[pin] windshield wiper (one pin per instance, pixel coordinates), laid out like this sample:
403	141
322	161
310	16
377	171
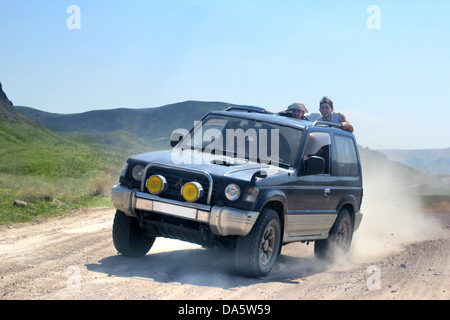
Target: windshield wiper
278	162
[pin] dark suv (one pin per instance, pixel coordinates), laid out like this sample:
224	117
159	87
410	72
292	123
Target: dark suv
250	181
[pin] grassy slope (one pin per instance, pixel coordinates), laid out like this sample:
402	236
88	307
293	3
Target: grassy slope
53	174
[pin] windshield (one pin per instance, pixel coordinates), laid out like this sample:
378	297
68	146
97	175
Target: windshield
249	139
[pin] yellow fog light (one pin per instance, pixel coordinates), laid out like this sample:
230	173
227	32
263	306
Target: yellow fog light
192	191
156	184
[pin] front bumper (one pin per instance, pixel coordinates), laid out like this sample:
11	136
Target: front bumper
223	221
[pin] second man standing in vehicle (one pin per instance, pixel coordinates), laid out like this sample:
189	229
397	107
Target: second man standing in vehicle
327	111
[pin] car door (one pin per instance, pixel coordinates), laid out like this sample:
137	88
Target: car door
311	217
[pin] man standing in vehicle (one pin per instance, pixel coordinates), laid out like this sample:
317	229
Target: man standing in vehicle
296	110
327	111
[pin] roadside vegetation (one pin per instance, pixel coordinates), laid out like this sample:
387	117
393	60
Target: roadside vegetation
42	187
436	203
43	174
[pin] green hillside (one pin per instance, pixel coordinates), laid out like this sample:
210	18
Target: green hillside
116	141
51	173
28	148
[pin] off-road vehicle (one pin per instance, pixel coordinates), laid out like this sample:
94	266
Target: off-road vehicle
250	181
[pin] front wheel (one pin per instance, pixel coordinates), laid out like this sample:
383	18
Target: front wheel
257	252
339	238
129	238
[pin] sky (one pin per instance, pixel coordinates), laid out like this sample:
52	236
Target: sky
385	64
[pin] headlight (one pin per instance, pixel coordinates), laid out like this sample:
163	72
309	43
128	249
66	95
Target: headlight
232	192
192	191
138	172
156	184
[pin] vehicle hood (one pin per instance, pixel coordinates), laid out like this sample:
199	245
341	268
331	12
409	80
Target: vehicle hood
232	167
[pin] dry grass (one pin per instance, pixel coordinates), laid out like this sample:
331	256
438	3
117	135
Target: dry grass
436	203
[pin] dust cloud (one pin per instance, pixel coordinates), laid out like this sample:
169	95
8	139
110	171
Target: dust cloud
393	215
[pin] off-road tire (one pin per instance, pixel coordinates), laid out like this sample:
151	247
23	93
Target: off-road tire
129	238
257	252
339	238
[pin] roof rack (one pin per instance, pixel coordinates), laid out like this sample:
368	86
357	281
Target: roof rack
326	124
247	109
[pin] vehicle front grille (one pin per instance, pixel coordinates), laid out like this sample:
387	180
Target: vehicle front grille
176	178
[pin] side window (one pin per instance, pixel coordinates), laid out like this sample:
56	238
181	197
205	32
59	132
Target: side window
346	156
318	144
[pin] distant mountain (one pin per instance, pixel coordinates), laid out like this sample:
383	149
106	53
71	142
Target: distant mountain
374	161
27	148
150	127
439	167
379	172
429	161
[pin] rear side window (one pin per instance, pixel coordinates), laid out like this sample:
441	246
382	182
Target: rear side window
346	156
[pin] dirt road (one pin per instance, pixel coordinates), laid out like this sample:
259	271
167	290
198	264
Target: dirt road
72	257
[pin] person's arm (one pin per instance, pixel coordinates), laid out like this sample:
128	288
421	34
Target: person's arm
285	113
345	124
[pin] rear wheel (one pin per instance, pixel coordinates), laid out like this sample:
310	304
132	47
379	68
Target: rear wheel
129	238
339	238
257	252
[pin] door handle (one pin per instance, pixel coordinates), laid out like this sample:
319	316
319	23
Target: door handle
326	191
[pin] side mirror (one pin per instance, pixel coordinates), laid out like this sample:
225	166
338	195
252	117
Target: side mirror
177	136
315	165
259	174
